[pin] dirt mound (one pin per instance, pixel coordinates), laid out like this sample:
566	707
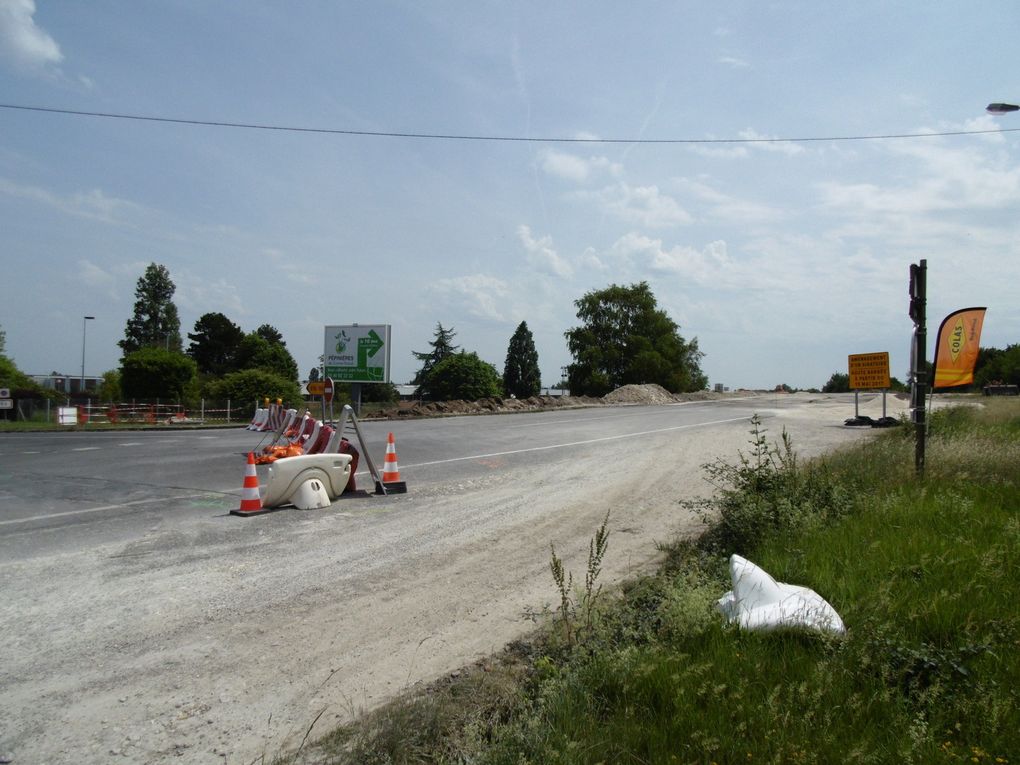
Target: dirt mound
487	406
649	394
640	394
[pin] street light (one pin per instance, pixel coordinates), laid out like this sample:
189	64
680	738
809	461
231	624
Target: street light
1001	108
83	325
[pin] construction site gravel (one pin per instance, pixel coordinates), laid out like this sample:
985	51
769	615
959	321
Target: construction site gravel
193	646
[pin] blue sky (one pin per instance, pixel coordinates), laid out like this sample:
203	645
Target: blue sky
781	258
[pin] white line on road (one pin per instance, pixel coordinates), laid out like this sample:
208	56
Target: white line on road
628	414
582	443
106	507
85	449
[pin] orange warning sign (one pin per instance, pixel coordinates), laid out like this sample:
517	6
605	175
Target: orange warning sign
869	371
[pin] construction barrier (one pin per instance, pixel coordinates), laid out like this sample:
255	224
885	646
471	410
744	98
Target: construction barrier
312	463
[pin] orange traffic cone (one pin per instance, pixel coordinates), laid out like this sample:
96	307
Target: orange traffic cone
251	500
391	472
391	483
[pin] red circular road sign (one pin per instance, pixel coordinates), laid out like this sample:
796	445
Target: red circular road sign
327	391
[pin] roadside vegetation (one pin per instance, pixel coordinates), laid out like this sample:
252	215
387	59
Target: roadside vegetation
922	571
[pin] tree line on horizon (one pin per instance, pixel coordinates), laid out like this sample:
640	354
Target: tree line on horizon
623	338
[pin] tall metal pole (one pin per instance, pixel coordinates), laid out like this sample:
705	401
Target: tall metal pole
83	325
919	366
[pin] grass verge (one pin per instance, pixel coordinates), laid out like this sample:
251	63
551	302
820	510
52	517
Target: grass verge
923	572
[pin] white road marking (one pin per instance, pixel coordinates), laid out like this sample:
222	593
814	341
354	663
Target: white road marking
107	507
131	443
86	449
628	414
580	443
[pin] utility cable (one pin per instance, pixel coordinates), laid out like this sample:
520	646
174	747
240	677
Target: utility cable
504	138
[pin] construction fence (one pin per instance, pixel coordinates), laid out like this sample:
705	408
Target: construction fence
86	411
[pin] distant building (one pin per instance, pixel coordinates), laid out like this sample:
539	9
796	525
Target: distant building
69	384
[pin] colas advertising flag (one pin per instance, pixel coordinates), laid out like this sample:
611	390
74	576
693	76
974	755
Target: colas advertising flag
956	347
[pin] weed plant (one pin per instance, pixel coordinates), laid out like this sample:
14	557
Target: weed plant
923	572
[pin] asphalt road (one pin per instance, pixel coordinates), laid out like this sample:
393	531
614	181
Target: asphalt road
141	621
62	491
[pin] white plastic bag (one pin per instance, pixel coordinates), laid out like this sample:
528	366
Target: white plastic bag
758	602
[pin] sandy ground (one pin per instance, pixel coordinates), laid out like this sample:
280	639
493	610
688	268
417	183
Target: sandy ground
190	647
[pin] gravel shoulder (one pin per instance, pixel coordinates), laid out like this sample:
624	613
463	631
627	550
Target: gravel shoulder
194	647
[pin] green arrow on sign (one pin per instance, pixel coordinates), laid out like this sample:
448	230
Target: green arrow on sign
368	347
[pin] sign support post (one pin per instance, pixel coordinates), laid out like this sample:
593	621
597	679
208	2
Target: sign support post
918	365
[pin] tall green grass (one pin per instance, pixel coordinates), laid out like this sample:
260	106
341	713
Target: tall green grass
924	573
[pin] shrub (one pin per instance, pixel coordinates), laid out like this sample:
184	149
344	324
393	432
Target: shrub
254	385
765	494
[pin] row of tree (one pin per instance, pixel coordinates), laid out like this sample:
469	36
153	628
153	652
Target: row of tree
222	361
624	337
446	374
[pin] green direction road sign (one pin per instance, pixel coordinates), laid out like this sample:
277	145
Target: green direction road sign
357	353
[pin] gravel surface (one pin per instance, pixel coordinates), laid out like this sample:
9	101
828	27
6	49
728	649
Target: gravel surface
190	646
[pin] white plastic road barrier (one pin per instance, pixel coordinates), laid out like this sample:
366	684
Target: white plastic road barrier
261	415
286	476
311	495
758	602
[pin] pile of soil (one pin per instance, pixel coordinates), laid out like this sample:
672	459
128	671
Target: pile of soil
487	406
640	394
628	394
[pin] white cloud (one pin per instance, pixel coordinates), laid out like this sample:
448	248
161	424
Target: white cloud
734	62
23	43
97	279
945	179
578	169
541	253
710	266
477	294
197	294
640	205
724	208
718	151
94	204
770	143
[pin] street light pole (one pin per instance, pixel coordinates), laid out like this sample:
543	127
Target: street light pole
83	325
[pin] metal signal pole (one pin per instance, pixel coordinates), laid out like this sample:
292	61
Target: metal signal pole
918	365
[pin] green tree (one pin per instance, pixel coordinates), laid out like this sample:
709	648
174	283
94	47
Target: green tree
625	338
150	373
442	348
521	376
214	344
385	393
271	334
256	352
998	365
253	385
464	376
155	323
13	378
838	383
110	388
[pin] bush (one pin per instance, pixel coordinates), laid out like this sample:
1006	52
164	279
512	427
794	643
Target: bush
151	373
463	376
254	385
765	494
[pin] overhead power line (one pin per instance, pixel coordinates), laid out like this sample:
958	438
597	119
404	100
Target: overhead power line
468	137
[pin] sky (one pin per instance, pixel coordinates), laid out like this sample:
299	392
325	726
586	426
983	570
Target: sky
780	257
